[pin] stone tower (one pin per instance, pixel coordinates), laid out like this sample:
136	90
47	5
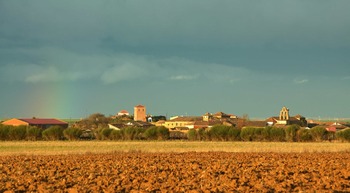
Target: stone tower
284	114
140	113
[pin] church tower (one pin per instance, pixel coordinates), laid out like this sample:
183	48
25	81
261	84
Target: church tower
140	113
284	114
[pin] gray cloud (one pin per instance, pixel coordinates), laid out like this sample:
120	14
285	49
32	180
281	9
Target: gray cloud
235	33
58	65
51	74
156	22
300	81
184	77
252	46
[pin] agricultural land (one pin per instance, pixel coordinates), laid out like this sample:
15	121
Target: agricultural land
173	166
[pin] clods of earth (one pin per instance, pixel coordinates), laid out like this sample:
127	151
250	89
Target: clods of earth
177	172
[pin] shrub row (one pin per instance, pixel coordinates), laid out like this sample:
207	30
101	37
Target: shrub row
263	134
31	133
216	133
11	133
292	133
133	133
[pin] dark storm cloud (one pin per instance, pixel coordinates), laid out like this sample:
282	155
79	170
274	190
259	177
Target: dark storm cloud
259	35
247	45
225	24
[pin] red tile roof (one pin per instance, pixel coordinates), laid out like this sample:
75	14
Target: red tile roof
331	129
186	119
255	123
272	119
221	114
299	116
44	121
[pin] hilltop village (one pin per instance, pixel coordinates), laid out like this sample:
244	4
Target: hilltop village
127	126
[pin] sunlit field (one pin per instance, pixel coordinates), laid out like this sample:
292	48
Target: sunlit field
175	166
82	147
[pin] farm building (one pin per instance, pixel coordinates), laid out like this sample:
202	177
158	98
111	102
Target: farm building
40	123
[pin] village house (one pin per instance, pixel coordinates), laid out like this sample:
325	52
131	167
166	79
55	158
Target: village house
138	124
37	122
181	122
336	126
123	113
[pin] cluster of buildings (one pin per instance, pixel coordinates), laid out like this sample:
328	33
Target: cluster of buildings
220	118
207	120
185	123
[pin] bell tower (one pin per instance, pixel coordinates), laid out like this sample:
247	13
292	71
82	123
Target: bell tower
284	114
140	113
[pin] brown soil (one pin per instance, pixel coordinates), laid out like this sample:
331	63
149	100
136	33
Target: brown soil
177	172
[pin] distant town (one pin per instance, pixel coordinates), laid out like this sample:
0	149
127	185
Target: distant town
182	124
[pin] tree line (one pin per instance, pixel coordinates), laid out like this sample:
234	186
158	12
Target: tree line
31	133
291	133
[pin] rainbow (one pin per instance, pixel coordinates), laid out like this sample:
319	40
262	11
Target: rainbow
48	101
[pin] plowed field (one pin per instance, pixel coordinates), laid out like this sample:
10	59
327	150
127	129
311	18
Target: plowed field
176	172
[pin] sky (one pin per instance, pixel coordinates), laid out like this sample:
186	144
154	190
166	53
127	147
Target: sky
73	58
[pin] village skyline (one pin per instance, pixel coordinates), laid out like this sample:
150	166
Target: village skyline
129	111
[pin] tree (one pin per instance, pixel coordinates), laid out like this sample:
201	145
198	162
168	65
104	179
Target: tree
234	134
4	131
102	133
34	133
318	132
94	121
203	134
132	133
157	133
304	135
53	133
343	135
72	134
192	135
274	134
291	132
247	133
223	133
17	132
116	135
